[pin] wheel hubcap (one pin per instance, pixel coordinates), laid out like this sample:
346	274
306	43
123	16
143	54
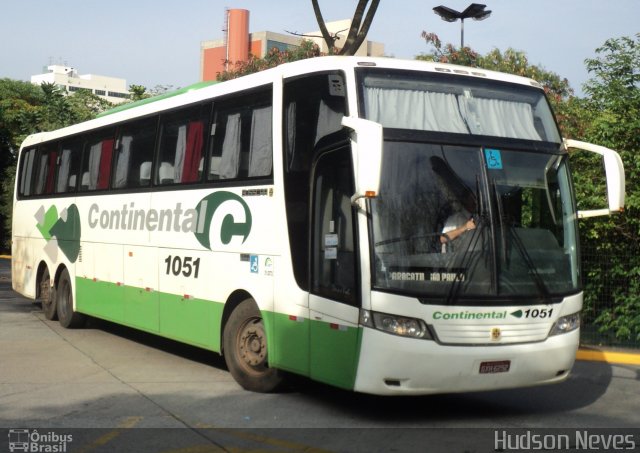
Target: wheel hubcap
252	344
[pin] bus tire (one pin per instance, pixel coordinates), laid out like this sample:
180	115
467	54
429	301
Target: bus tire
64	303
47	297
245	350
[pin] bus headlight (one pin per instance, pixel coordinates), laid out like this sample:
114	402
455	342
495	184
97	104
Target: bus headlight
394	324
565	324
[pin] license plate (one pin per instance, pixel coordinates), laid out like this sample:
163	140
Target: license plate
501	366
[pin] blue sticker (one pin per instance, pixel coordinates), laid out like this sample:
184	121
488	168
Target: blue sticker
254	264
493	158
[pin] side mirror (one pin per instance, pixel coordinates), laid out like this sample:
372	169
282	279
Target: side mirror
366	151
614	173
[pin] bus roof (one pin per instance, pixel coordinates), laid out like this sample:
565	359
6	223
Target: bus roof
204	90
131	105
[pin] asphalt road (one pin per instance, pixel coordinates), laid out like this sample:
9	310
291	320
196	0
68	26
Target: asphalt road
94	383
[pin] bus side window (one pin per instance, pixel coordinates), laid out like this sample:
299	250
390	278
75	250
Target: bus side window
134	148
260	146
97	161
334	251
228	148
45	166
313	109
182	142
68	166
242	144
26	175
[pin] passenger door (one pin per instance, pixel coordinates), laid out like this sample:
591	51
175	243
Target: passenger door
334	300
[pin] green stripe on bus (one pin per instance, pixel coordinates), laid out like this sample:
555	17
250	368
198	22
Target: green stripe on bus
335	351
326	352
289	349
182	318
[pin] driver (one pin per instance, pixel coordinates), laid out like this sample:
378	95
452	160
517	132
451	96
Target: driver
458	223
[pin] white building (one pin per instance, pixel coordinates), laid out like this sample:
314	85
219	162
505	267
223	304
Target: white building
67	78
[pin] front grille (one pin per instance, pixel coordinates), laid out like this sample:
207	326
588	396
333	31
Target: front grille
490	334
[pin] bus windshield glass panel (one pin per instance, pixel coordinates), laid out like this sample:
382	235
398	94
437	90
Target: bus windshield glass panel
465	216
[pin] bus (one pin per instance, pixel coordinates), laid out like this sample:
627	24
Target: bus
301	220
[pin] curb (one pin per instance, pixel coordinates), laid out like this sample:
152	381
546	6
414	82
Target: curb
611	357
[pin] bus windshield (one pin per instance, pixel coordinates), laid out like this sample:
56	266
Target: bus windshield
462	105
471	220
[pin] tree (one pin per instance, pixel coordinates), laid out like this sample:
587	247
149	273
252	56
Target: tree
613	120
26	109
275	57
20	109
511	61
138	92
357	32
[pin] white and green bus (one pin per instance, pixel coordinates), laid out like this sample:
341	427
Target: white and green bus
303	220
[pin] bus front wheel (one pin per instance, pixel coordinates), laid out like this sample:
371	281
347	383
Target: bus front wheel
64	304
245	350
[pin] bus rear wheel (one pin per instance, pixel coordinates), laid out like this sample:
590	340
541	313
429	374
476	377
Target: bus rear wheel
64	304
47	297
245	350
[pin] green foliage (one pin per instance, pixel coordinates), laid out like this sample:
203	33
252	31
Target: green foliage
19	109
275	57
138	92
611	117
510	61
26	109
448	53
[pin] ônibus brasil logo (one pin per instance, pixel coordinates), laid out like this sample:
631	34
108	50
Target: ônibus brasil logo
227	212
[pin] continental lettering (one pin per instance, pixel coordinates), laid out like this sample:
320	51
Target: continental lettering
446	316
129	218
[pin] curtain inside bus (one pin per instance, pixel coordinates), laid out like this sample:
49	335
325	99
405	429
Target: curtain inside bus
187	170
443	112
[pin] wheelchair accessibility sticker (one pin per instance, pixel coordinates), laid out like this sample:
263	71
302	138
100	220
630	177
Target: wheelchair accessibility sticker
254	264
493	157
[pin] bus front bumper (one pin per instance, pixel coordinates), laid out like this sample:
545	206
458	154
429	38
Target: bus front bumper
392	365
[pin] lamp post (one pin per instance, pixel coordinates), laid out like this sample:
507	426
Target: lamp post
474	11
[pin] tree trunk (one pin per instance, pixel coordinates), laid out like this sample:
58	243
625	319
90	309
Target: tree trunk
357	32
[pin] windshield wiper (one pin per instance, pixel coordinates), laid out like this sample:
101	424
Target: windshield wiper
501	218
542	288
466	261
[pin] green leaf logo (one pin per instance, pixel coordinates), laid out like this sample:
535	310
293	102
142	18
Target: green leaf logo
66	231
517	313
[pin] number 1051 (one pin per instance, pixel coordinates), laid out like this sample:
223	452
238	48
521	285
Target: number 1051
186	266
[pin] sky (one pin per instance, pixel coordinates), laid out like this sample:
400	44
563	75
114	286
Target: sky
150	43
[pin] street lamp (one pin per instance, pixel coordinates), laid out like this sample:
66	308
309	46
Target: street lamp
475	11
